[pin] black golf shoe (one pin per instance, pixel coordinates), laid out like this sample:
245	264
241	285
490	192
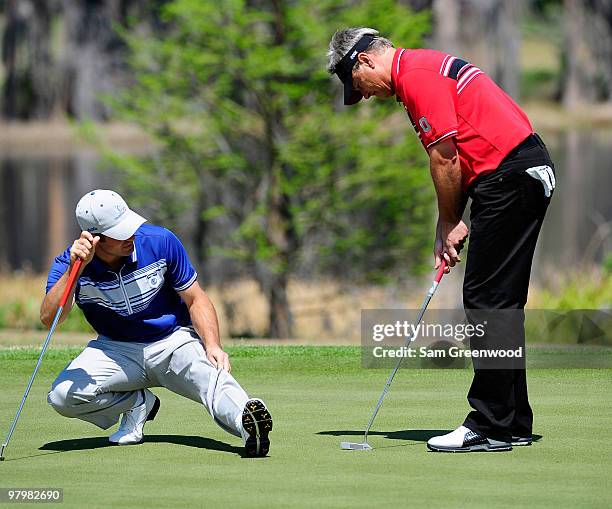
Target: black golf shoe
521	441
257	424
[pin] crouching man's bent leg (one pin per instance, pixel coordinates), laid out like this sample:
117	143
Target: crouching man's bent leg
187	371
98	386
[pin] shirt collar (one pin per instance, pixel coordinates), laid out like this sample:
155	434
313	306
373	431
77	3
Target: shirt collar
99	265
134	255
395	67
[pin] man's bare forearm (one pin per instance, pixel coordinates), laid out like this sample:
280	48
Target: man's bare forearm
447	181
204	320
50	303
84	248
446	175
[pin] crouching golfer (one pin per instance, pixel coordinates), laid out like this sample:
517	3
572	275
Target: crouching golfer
481	145
156	328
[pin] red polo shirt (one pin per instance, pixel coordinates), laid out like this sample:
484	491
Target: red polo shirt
445	97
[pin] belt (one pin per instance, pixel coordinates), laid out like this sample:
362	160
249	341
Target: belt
532	141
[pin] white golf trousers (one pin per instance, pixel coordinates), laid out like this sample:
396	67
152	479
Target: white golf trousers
103	381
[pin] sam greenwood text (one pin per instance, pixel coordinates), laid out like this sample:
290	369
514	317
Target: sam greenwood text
453	352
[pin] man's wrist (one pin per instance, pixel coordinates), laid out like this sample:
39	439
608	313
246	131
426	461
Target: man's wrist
454	220
209	347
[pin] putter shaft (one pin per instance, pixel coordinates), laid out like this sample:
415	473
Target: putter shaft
428	297
71	280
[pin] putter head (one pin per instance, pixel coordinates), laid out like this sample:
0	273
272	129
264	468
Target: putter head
353	446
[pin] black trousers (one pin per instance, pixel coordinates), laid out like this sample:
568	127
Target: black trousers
507	210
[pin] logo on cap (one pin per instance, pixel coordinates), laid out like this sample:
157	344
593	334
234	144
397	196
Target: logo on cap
119	210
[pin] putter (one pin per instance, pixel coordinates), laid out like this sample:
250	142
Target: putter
364	446
71	280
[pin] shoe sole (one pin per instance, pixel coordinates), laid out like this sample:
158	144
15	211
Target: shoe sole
472	448
150	417
521	444
257	423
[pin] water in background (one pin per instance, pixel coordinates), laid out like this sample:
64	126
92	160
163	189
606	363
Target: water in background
39	192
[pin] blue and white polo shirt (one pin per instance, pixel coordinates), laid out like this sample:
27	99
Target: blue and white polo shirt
139	302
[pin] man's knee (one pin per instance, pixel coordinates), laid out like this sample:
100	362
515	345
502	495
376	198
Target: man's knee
58	398
64	399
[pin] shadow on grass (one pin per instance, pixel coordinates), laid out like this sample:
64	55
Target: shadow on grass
413	435
80	444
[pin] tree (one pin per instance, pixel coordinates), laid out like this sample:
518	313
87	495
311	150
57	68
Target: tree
59	55
486	31
250	129
28	90
587	52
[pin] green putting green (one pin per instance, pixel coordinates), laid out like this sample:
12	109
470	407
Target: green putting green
318	396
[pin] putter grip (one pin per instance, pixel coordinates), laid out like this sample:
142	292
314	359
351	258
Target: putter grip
71	280
440	271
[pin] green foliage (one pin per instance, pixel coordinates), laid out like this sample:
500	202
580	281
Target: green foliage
237	96
539	84
20	314
607	265
23	314
577	290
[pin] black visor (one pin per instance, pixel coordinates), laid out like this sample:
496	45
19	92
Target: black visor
344	69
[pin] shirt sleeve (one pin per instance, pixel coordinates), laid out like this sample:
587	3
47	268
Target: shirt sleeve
58	269
181	273
430	100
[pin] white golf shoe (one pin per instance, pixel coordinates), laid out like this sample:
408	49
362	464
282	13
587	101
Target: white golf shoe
465	440
133	421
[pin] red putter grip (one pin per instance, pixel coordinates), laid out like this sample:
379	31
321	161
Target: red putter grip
440	271
71	280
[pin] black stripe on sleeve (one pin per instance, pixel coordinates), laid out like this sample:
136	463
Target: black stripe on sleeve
457	65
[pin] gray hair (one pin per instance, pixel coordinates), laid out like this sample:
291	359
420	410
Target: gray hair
343	40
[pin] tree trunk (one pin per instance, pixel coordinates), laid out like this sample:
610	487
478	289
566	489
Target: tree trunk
485	32
446	19
201	230
91	59
56	228
599	30
29	88
5	219
281	320
581	67
43	77
278	221
509	45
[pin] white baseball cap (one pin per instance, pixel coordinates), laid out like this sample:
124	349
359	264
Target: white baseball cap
105	212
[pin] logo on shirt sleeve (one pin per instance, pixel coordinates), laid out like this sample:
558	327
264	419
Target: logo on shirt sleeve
424	124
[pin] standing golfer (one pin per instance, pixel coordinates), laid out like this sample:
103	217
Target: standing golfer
156	328
481	145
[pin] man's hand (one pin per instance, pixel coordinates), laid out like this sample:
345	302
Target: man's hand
84	247
218	358
450	238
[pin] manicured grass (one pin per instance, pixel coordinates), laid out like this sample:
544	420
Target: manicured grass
318	396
